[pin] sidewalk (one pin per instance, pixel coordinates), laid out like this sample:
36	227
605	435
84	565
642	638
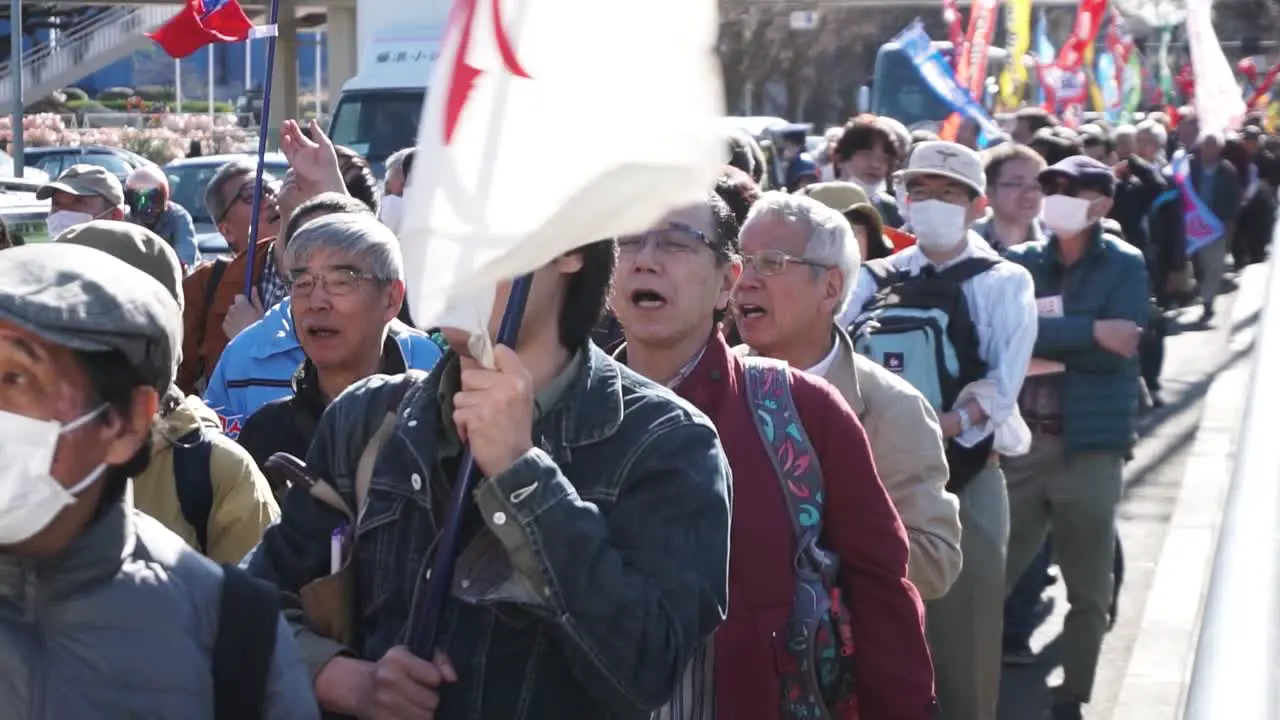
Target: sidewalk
1159	666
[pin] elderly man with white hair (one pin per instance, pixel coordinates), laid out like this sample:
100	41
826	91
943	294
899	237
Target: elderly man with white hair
1218	185
792	317
347	285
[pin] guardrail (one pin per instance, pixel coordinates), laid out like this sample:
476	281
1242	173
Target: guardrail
1237	660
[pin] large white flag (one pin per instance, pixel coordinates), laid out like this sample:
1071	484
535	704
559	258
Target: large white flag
551	124
1218	101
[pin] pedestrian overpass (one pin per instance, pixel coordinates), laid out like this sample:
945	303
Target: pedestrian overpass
120	31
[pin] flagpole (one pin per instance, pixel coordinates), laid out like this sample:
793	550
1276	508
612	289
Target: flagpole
177	84
248	64
424	626
262	148
212	47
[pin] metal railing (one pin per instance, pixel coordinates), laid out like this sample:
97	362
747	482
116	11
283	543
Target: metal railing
113	35
1237	661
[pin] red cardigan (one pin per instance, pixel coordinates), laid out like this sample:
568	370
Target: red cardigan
860	524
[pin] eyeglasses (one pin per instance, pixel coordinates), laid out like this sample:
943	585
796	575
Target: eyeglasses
1021	188
951	194
335	282
674	239
773	262
144	201
245	195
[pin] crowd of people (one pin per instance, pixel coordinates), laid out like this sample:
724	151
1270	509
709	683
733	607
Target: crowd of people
805	448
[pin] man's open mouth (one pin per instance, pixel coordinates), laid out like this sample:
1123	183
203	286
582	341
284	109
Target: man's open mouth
648	299
749	311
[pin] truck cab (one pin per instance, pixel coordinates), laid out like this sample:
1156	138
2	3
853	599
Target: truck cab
379	109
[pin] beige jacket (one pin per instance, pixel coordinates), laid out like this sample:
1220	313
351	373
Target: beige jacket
906	442
243	506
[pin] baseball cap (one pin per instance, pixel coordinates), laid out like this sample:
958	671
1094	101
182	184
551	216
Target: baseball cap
1084	172
949	160
135	245
85	180
84	299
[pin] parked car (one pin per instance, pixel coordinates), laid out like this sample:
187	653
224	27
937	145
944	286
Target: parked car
53	160
188	178
23	214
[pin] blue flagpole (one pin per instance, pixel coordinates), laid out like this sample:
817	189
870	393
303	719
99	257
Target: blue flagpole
262	149
424	622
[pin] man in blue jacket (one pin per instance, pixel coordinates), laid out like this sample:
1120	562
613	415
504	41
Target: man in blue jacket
1091	294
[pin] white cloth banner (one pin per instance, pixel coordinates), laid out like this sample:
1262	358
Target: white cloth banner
551	124
1218	100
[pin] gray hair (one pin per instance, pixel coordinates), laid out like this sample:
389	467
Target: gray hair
1155	130
356	235
215	199
396	161
1124	131
831	239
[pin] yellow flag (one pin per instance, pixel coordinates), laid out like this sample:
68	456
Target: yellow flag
1090	74
1013	80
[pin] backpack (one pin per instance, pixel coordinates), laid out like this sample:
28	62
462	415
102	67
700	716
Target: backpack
194	483
920	328
244	645
816	673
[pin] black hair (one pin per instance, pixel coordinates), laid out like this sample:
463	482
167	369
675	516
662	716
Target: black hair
725	242
1036	118
357	176
1056	144
587	293
327	203
112	382
739	190
7	240
997	157
406	165
865	132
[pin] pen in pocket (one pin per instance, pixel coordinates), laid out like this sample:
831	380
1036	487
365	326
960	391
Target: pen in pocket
336	541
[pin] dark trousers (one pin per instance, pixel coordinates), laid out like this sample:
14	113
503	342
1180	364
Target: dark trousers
1020	619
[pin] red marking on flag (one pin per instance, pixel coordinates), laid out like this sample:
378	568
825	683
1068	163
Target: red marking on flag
463	78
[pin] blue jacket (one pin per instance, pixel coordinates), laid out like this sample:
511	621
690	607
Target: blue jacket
1108	282
258	364
175	227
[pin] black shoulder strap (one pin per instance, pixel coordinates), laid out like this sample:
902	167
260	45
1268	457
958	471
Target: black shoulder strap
967	269
194	483
881	271
245	643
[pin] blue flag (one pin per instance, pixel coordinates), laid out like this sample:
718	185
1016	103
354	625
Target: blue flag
940	78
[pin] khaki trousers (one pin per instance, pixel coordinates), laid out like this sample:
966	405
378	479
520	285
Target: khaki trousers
1075	497
965	627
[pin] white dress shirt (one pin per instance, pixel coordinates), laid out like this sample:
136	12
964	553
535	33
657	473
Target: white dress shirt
1002	304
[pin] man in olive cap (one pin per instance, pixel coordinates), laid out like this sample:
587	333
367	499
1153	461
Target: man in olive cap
201	484
82	193
94	595
851	201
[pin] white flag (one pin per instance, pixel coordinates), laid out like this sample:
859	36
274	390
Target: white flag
583	120
1218	101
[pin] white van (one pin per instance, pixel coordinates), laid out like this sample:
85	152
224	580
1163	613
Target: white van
380	107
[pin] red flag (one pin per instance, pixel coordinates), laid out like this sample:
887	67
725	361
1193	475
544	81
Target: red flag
202	23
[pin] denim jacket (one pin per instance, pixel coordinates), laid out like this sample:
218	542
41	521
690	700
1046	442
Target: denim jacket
590	571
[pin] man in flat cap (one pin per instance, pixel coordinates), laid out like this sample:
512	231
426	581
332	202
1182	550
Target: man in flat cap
96	599
82	193
201	484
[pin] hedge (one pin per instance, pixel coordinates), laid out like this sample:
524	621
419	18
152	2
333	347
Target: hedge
191	106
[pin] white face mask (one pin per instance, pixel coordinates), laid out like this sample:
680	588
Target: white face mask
61	220
937	225
391	212
1066	215
30	497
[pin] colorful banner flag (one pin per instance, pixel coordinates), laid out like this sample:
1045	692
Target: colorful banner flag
1164	69
1108	89
1132	85
955	30
1218	101
1045	52
477	220
937	74
1013	81
1200	226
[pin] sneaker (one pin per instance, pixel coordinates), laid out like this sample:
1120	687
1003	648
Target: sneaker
1018	653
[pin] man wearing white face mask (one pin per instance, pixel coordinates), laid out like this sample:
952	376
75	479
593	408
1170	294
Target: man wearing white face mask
1091	291
94	594
82	193
952	296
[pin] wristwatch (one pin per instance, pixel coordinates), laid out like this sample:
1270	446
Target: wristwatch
966	423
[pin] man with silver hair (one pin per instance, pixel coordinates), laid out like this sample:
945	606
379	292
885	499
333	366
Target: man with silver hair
1217	184
347	285
1150	140
791	316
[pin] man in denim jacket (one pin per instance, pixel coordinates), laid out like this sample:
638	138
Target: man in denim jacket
594	560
